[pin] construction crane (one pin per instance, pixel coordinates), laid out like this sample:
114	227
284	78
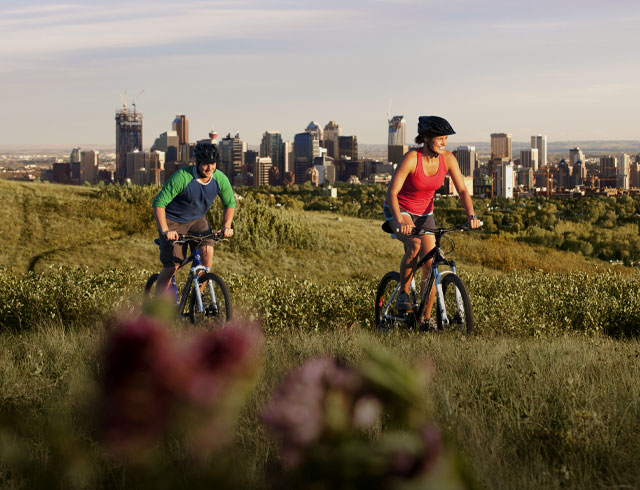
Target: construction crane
135	99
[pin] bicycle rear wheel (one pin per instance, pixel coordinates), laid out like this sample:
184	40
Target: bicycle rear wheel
457	304
216	302
387	316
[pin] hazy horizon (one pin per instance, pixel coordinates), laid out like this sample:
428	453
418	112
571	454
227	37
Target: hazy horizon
558	68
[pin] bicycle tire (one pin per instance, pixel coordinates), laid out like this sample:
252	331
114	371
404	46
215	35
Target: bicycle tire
458	307
213	315
386	287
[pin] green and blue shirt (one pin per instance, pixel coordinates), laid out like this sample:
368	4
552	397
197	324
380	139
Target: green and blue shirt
185	198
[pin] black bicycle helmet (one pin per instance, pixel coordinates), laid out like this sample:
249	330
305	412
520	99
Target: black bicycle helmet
434	126
205	152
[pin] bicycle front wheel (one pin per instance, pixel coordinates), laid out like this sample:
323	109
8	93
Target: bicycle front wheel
457	304
386	313
216	301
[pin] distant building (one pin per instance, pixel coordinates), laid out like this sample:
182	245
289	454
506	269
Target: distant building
348	147
539	142
576	155
530	158
273	147
181	126
61	172
467	157
232	156
168	142
89	166
332	133
128	138
261	171
397	146
608	171
501	145
314	129
525	177
504	179
146	167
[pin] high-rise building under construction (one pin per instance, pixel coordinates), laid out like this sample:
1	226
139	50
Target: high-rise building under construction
397	147
128	138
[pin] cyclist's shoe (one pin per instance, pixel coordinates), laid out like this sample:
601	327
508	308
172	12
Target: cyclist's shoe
429	325
404	303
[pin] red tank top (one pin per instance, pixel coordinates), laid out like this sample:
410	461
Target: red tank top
416	195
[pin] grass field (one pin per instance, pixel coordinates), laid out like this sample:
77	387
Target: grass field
544	396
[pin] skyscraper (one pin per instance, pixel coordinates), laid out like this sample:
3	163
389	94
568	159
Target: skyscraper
530	158
576	155
89	166
273	147
332	133
231	155
540	143
467	159
348	147
396	145
261	171
314	129
501	145
128	138
181	126
305	149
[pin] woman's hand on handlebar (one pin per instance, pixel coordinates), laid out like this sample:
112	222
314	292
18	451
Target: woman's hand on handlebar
405	226
474	222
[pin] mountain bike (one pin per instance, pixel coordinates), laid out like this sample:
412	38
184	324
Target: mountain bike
453	306
205	297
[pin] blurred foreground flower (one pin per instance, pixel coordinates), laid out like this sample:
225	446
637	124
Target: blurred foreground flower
361	426
153	384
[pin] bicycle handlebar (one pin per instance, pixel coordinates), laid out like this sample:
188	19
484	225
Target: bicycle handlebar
215	236
436	231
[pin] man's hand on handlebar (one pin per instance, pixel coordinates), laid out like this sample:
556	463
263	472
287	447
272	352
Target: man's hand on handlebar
170	235
226	232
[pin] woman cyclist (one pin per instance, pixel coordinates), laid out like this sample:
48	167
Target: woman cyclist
409	201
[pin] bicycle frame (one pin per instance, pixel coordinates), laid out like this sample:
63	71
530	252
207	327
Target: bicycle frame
434	276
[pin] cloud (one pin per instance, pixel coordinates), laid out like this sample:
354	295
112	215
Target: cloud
59	29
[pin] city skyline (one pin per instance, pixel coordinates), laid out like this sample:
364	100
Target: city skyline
250	67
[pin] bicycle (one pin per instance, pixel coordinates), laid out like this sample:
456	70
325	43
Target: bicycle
453	306
205	296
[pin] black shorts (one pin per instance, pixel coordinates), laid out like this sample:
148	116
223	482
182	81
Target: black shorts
172	253
421	222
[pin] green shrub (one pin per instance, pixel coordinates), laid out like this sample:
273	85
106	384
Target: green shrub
69	296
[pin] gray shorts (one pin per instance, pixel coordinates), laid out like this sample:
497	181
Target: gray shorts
172	253
421	222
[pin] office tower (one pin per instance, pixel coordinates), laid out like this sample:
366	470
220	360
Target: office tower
128	138
467	159
75	156
305	149
576	155
530	158
397	137
181	126
273	147
608	166
145	167
505	179
539	142
331	140
348	147
261	171
501	145
634	175
314	129
565	174
168	142
232	155
289	157
89	166
579	173
61	172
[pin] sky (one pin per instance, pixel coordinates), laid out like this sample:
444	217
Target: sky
567	69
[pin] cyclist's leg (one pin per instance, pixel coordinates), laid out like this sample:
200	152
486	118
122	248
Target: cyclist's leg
201	227
409	259
171	256
428	242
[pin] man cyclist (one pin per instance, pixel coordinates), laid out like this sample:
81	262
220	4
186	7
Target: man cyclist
181	208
